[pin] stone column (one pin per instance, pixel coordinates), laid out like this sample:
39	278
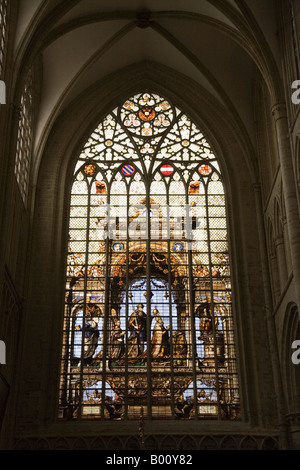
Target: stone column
289	189
281	258
273	345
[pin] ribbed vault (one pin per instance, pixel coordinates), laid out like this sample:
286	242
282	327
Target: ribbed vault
81	42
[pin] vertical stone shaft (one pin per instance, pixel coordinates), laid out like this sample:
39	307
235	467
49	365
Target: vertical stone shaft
289	190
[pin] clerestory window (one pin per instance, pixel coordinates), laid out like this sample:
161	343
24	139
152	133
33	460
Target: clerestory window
25	138
3	34
148	324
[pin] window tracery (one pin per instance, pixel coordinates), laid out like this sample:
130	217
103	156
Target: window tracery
24	138
148	314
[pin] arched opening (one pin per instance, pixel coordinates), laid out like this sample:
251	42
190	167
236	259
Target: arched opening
148	325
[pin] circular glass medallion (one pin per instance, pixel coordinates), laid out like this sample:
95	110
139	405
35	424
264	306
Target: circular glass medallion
128	170
146	114
178	247
166	170
118	247
205	170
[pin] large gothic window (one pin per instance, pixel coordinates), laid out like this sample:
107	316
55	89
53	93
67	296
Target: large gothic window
148	321
25	138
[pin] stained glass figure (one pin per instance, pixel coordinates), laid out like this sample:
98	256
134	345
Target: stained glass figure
148	313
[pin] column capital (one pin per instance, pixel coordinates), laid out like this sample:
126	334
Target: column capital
279	110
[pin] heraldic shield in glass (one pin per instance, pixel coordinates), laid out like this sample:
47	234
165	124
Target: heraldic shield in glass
148	323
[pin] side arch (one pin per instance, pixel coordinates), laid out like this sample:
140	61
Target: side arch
50	211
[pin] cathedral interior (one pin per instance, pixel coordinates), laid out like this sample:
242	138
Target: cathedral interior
150	225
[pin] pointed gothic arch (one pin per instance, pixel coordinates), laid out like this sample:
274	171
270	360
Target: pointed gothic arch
148	317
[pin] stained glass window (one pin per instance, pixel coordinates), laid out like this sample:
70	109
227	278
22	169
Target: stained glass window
3	33
148	323
24	138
